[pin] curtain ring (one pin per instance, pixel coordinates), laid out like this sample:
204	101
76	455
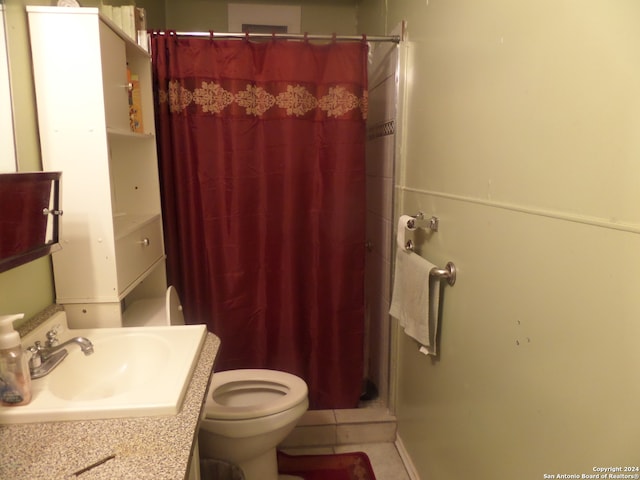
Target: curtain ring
364	38
246	36
211	36
306	37
334	37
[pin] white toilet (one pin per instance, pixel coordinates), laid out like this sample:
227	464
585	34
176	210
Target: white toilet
247	414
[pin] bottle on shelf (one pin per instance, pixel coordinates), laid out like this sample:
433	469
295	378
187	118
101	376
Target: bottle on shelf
135	103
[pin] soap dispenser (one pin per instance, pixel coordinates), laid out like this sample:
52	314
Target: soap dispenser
15	379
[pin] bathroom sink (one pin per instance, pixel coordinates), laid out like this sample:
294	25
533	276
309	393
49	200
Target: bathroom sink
133	372
106	373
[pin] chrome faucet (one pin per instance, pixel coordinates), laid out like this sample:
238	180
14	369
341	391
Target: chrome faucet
45	358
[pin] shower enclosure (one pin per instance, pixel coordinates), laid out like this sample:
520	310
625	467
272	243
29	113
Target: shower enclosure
382	127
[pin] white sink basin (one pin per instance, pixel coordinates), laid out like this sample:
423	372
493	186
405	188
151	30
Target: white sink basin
133	372
105	373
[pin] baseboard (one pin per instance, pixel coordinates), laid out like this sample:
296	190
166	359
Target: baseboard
318	428
406	459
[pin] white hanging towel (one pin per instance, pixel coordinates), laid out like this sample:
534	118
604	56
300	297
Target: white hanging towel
410	303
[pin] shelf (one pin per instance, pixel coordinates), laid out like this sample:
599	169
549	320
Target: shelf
114	132
132	45
158	263
126	223
111	193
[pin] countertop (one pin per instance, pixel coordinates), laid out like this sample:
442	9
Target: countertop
157	448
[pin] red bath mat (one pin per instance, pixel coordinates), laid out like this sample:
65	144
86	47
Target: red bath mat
339	466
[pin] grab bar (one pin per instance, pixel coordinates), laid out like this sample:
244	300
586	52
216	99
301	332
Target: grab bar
448	273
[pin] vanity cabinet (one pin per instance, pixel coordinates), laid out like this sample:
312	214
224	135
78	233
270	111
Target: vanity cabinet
95	115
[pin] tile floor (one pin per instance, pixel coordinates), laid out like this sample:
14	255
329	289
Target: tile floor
371	430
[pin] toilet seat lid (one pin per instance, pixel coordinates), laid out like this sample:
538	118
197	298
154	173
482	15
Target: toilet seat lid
288	390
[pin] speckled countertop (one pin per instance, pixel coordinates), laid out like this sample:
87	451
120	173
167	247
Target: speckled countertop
157	448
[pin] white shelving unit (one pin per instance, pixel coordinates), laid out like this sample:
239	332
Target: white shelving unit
111	231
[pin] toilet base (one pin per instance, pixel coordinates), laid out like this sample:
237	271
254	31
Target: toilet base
262	467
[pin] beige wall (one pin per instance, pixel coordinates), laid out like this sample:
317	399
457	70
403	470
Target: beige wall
521	135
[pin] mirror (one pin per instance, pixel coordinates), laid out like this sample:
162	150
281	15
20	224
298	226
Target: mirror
29	217
7	139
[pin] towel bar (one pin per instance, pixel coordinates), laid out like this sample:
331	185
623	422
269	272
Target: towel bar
448	273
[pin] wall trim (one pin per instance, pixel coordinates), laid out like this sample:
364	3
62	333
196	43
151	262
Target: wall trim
569	217
406	459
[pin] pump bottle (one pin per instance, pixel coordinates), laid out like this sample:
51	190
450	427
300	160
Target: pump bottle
15	379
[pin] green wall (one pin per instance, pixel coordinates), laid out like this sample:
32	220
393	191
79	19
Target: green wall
323	17
27	289
520	133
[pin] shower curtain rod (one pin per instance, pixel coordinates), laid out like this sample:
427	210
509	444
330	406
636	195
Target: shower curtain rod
291	36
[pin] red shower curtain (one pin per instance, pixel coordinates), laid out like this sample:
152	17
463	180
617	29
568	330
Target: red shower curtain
261	148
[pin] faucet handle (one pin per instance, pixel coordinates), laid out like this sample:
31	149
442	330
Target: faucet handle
52	337
36	359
